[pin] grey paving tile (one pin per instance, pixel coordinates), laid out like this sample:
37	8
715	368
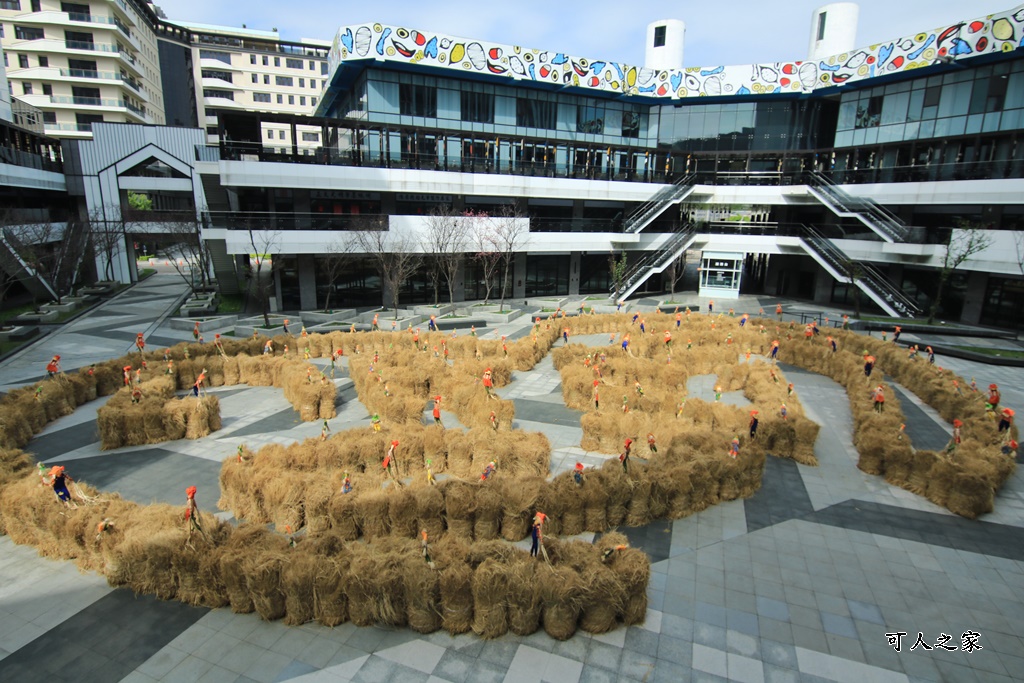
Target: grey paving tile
604	656
838	625
773	609
646	642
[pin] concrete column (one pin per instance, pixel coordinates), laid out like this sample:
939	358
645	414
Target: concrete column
822	285
306	264
974	297
519	278
574	273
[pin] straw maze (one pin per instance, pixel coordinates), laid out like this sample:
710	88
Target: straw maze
327	576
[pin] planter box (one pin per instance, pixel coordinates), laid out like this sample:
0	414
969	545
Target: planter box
439	310
245	326
206	324
405	319
460	323
320	317
197	310
39	317
245	331
549	302
20	333
58	308
324	328
74	300
499	318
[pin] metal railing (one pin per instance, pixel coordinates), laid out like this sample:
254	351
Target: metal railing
266	220
652	261
101	75
99	19
640	217
876	215
97	102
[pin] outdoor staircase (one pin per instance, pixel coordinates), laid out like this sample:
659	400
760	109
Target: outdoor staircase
14	265
655	261
865	276
643	215
873	215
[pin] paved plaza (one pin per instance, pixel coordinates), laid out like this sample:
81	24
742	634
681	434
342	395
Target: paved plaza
801	582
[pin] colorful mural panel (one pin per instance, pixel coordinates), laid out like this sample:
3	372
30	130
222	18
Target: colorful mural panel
994	33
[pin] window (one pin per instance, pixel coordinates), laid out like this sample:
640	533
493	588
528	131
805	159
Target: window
35	6
270	135
821	26
280	135
211	130
631	123
312	83
302	82
23	61
312	65
590	119
2	28
47	89
283	80
417	100
28	33
214	54
311	137
313	101
280	99
255	78
869	112
76	8
266	79
261	97
26	88
277	61
252	59
49	117
44	61
219	75
659	36
291	99
293	63
535	113
222	94
323	68
266	62
302	100
477	107
83	65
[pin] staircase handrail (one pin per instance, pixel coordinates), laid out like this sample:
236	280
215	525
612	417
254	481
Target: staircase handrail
654	259
888	221
641	214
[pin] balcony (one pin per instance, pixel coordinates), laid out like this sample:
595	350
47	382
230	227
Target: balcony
105	76
69	130
100	102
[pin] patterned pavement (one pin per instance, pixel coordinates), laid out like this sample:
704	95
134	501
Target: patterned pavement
801	582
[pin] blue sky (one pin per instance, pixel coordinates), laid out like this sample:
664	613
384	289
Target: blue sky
722	32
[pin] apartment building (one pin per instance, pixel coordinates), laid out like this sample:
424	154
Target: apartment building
242	69
83	62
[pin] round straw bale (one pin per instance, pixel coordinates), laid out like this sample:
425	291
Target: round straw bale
561	595
457	597
490	611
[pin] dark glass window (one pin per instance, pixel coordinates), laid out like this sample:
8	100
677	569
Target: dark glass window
44	61
590	119
631	123
23	61
283	80
535	113
49	117
547	275
659	36
417	100
821	26
869	112
28	33
215	54
293	63
477	107
219	75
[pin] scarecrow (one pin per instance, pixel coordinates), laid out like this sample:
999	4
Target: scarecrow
494	421
199	383
53	367
537	534
192	516
774	354
869	364
140	343
624	456
425	548
577	474
437	410
1006	420
931	354
375	421
346	484
778	311
954	442
268	348
668	340
753	424
488	383
734	448
432	324
783	411
896	334
324	430
878	396
59	481
651	445
195	331
488	470
993	396
285	325
390	463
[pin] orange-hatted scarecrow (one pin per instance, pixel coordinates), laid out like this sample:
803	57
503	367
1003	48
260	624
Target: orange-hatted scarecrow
390	463
537	535
53	367
753	423
192	519
437	410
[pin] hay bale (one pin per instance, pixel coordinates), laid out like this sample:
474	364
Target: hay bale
330	601
402	513
595	501
430	510
263	578
460	506
518	497
971	497
422	595
638	510
298	579
561	597
344	515
375	592
633	569
487	520
523	597
605	598
372	511
457	597
490	611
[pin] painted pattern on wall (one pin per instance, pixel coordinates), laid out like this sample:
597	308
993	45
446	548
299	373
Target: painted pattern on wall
994	33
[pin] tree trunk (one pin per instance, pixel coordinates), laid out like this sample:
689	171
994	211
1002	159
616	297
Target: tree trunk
504	285
933	311
856	299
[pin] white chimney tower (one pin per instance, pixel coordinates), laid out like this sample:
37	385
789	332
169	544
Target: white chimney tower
665	44
833	30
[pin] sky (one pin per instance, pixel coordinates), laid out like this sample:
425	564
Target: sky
722	32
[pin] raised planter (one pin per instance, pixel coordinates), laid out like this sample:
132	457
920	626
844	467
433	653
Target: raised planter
439	310
327	327
59	308
549	302
196	310
19	333
499	318
406	319
460	323
478	309
206	324
245	326
312	318
38	317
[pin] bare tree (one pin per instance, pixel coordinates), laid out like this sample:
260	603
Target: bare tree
265	244
196	263
966	240
338	255
445	242
674	273
510	233
487	254
108	237
54	251
617	269
395	256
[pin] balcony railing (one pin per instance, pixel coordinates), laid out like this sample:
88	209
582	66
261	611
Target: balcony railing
16	157
102	75
99	19
74	127
263	220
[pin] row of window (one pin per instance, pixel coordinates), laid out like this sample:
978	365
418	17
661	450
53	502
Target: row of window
282	135
289	62
478	107
266	99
